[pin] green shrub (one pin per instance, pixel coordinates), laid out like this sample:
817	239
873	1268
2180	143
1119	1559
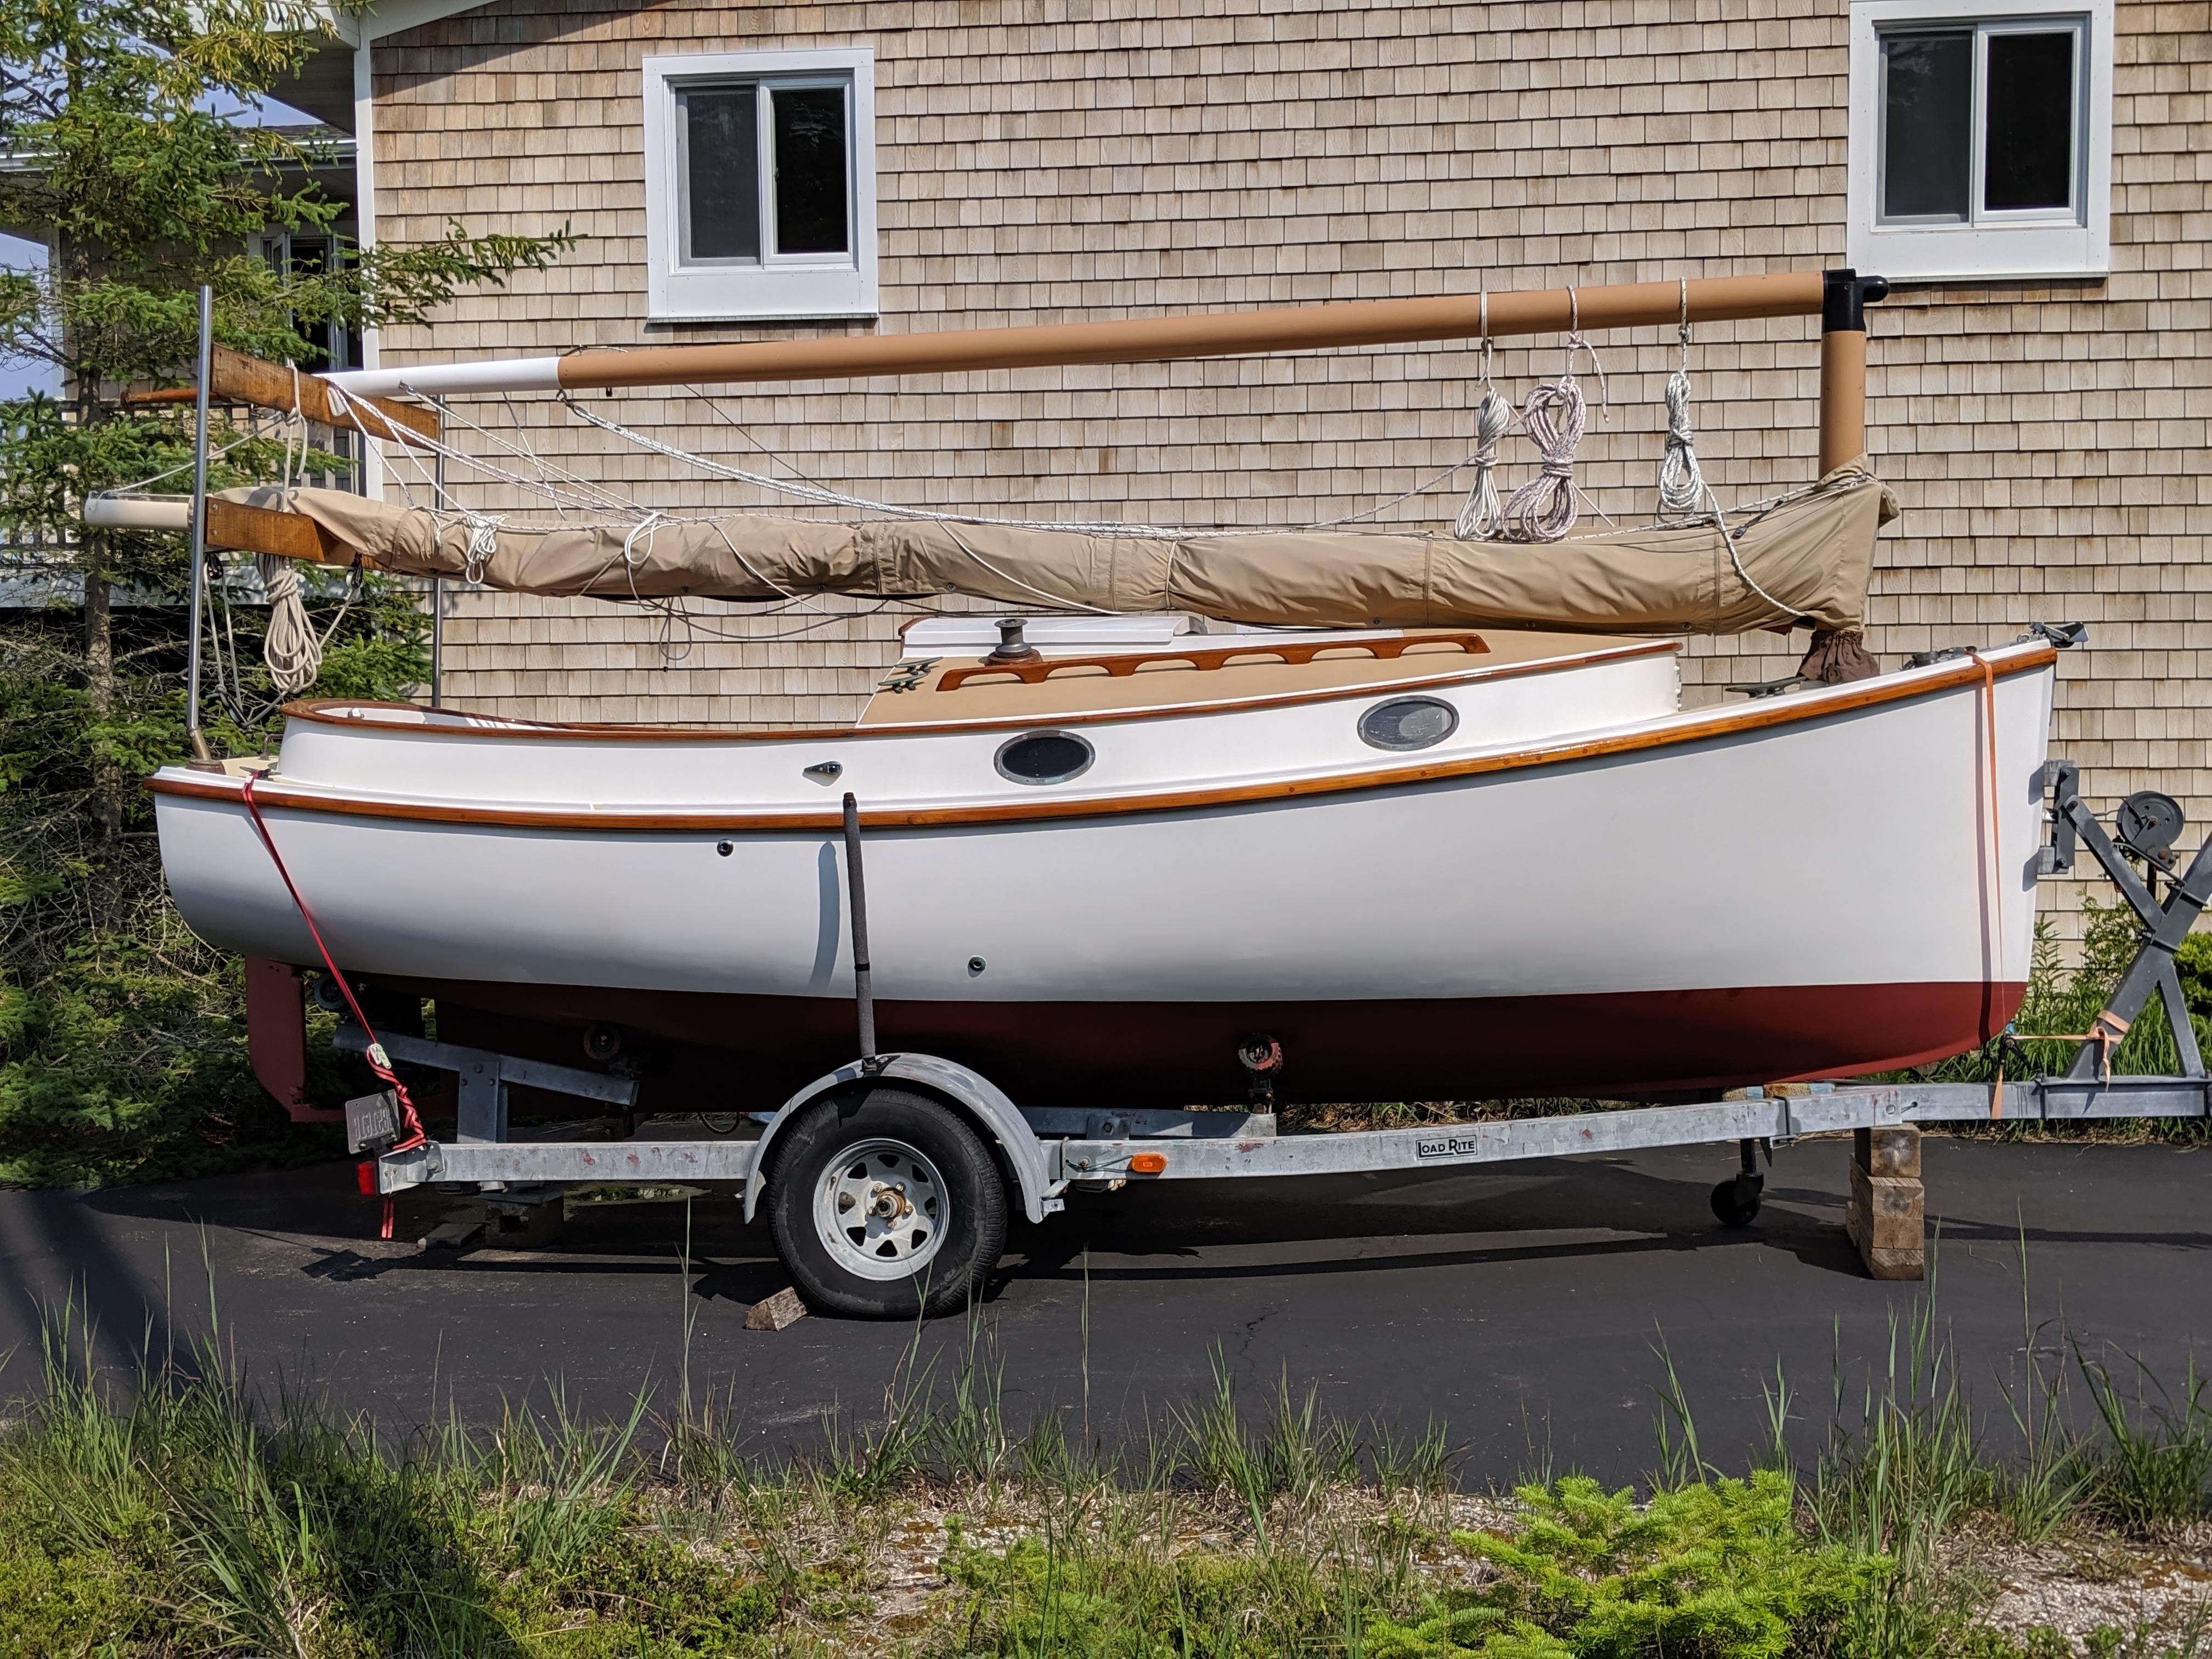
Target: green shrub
2193	961
1713	1571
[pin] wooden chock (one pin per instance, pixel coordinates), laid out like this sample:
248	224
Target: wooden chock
1888	1215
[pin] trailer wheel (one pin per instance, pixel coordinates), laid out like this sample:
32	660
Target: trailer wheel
1735	1201
886	1206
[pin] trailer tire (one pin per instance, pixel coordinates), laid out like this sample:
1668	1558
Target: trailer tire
885	1205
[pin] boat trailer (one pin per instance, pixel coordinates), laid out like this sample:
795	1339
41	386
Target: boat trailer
897	1167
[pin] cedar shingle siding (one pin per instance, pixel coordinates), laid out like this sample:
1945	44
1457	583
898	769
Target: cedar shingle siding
1046	161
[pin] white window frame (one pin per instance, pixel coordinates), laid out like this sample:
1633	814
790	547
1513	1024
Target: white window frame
779	287
275	246
2020	244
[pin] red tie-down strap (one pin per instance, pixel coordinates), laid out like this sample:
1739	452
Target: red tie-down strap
379	1062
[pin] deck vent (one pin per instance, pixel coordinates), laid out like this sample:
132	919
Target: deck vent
1408	723
1044	758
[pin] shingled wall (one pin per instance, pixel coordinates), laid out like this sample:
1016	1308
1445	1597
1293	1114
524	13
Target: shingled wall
1050	159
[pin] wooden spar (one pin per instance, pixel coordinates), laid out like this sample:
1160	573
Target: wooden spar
1207	334
236	378
240	379
243	529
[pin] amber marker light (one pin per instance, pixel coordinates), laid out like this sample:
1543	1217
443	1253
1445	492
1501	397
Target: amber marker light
1147	1163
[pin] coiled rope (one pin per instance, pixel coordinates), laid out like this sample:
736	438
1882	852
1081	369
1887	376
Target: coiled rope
1483	517
1682	483
1543	509
1682	487
291	648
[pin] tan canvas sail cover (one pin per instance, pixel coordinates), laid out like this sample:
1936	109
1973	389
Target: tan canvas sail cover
1806	560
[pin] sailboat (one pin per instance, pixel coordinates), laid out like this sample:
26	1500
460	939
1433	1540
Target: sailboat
1424	814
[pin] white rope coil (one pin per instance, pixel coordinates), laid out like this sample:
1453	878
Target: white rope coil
1543	509
292	649
483	541
1483	517
1681	482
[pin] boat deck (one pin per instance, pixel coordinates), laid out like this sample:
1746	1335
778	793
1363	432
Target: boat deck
925	688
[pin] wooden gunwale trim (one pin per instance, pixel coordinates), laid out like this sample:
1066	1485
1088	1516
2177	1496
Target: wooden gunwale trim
1761	714
1038	670
611	731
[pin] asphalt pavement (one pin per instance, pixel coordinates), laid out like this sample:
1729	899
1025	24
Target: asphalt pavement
1531	1309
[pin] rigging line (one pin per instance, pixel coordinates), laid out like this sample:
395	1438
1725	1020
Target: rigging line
823	497
750	570
827	619
522	437
122	490
546	479
1735	557
1064	603
731	421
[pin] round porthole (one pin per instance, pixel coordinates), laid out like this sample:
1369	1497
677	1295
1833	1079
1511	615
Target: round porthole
1044	758
1408	723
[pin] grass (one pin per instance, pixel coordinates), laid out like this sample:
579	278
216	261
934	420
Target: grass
182	1511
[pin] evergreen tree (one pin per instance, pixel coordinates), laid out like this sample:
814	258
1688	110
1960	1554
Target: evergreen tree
122	149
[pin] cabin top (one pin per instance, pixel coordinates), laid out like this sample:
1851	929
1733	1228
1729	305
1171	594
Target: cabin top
1083	670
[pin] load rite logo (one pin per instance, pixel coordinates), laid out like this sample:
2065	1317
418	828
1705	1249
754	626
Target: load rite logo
1448	1146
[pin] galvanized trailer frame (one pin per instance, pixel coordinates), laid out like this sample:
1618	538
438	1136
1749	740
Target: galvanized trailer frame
1046	1150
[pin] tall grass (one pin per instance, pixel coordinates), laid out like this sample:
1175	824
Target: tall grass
180	1510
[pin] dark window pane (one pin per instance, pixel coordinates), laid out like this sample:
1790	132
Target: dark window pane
1044	758
810	171
2029	163
1927	99
722	156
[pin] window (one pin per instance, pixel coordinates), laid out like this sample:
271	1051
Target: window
1408	723
759	185
291	255
1043	758
1980	137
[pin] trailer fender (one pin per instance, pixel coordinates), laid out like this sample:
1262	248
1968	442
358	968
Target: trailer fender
977	1095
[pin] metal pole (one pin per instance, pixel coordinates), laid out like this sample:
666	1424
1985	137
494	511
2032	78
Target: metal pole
864	992
196	592
438	583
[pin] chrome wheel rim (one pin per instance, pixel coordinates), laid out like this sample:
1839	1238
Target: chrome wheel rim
881	1210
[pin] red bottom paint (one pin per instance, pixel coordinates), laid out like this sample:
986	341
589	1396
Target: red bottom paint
703	1051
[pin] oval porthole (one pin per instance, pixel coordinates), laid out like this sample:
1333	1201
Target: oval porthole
1044	758
1408	723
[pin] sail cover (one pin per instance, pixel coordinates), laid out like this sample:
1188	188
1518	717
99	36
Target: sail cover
1803	561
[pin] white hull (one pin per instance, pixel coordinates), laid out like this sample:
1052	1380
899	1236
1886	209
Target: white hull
1845	844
